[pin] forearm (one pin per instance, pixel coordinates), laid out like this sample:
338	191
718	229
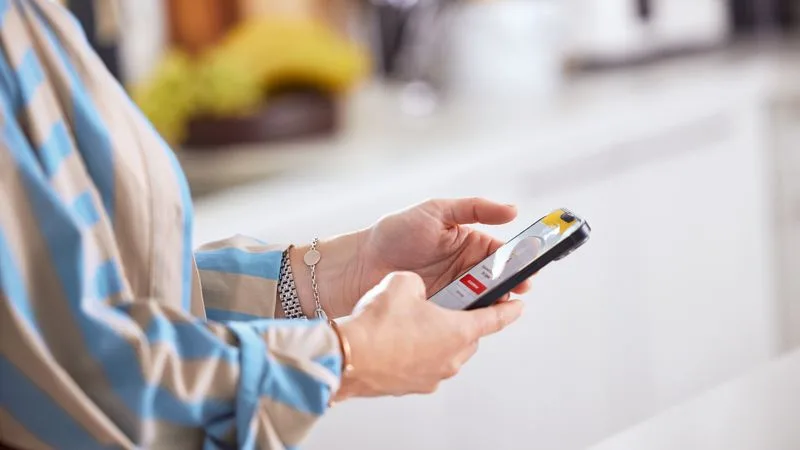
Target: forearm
338	275
240	277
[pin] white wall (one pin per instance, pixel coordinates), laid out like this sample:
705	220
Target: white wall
144	36
673	294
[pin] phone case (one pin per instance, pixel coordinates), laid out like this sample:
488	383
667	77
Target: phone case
557	252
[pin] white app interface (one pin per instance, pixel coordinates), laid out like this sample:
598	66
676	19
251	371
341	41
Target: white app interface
509	259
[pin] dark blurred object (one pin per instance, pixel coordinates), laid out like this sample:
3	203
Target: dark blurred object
101	23
749	17
622	33
644	9
391	22
407	35
290	114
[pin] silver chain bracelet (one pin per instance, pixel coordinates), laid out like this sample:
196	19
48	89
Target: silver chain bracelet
311	258
287	290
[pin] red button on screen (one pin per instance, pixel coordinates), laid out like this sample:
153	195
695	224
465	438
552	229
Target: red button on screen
473	284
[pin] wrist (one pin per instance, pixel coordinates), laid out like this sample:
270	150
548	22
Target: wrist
336	274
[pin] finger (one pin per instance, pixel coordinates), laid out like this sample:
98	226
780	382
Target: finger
409	281
495	245
486	321
474	210
523	287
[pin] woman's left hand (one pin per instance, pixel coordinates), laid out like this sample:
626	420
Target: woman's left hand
430	239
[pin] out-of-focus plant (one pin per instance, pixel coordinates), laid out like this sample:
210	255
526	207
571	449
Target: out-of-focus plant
234	77
168	97
226	85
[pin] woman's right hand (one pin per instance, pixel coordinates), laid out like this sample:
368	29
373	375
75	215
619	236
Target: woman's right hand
403	344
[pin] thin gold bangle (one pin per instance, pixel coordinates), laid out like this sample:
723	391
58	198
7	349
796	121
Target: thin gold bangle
344	347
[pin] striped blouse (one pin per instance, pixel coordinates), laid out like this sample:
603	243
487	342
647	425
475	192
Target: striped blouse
114	333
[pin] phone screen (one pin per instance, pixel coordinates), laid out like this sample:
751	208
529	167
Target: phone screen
508	260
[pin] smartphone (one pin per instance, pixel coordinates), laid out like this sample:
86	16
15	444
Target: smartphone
551	238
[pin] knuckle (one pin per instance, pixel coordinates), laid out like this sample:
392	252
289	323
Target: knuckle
496	321
499	321
402	276
451	369
410	280
408	285
396	279
432	201
409	276
430	388
471	352
434	205
488	321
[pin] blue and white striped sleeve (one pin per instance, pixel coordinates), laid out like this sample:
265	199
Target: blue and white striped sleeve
107	370
239	277
98	346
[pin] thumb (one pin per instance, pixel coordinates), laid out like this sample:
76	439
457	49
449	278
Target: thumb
494	318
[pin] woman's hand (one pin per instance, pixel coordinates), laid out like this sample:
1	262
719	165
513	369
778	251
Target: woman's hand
429	239
402	344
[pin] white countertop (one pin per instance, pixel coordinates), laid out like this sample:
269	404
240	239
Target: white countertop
758	411
381	147
648	344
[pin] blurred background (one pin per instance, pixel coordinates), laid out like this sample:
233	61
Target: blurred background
672	126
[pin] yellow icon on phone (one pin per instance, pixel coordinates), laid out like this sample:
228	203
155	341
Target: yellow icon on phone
556	220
